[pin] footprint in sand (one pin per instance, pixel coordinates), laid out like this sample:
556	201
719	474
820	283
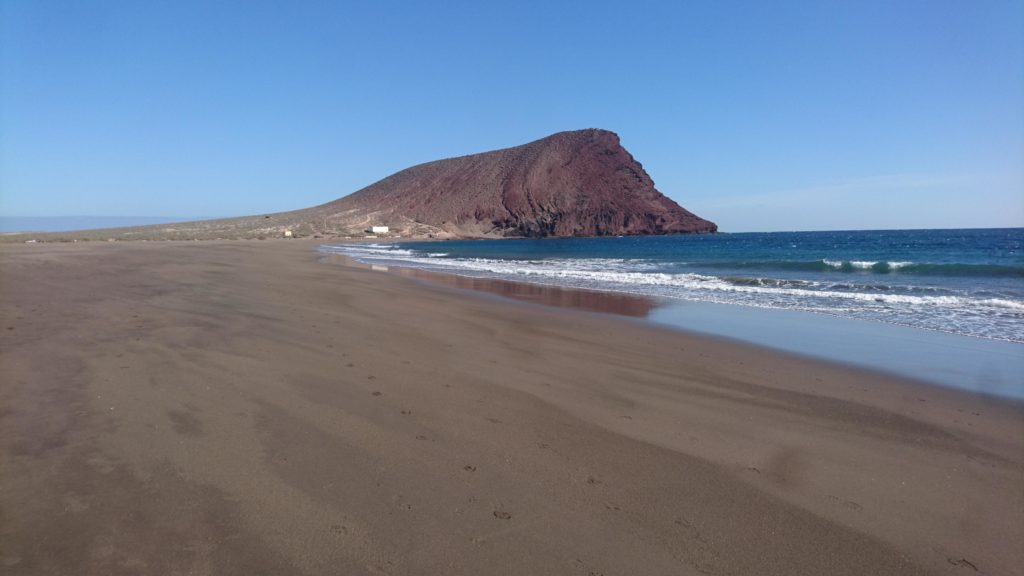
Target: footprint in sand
502	515
962	562
845	503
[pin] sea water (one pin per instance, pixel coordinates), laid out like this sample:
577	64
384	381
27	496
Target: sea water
964	284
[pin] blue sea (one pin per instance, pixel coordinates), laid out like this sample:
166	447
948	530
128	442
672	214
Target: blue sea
953	296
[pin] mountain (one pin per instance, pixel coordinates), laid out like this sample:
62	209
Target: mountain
580	183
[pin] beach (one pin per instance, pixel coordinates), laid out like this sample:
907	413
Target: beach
253	407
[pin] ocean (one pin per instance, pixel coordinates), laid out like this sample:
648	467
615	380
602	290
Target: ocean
965	282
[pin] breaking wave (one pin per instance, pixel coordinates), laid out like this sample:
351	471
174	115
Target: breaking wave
877	267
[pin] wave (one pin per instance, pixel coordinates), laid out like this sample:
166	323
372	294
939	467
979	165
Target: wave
824	265
877	267
873	265
368	250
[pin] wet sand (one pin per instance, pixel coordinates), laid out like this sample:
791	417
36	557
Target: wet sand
245	408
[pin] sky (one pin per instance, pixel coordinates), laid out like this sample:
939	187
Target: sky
760	116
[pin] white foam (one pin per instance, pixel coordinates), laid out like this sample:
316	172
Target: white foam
864	264
1003	303
596	272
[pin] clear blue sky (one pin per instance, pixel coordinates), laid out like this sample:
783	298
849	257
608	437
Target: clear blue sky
757	115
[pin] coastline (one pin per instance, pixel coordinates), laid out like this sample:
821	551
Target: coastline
243	377
931	357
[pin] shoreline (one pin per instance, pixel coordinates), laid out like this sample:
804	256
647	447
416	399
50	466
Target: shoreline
930	357
320	418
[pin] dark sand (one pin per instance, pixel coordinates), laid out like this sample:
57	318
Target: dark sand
245	408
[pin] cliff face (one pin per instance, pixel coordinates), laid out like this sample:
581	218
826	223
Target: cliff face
581	183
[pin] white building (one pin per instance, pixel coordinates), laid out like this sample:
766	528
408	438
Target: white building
379	229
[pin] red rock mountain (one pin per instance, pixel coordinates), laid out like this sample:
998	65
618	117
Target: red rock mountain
581	183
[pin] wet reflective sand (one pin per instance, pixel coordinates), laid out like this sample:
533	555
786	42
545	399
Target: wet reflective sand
607	302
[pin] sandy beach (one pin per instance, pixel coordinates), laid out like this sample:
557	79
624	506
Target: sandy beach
251	408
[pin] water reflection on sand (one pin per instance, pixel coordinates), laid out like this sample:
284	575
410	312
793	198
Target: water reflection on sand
608	302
